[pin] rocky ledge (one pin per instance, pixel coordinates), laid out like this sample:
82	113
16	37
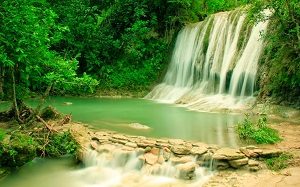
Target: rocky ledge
186	156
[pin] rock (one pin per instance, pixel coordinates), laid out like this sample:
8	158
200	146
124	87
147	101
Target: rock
251	147
94	138
147	149
119	137
161	159
271	153
238	162
198	150
182	160
254	168
181	149
120	141
139	126
166	153
94	145
228	154
139	151
155	151
186	171
151	158
176	142
105	148
252	163
131	144
146	143
220	165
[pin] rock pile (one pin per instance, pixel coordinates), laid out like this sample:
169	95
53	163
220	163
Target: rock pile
185	156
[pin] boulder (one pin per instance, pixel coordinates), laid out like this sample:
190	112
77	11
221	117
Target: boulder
198	150
181	149
182	160
151	158
155	151
186	171
131	144
252	163
228	154
176	142
271	153
146	143
238	162
220	165
94	145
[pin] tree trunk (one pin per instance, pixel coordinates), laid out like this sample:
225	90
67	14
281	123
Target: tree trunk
15	104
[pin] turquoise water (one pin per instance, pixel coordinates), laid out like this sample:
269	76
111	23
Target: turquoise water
164	120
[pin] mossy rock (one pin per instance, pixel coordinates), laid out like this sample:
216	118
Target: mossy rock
17	151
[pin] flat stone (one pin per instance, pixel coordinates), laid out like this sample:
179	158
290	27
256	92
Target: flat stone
151	158
131	144
271	152
181	149
187	170
252	163
94	145
198	150
228	154
120	137
146	143
176	142
155	150
254	168
182	160
238	162
220	165
105	148
120	141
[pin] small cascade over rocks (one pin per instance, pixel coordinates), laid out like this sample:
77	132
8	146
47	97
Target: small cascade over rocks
214	63
113	159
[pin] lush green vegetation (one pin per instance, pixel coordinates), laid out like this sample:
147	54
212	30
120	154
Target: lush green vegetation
282	54
279	163
258	132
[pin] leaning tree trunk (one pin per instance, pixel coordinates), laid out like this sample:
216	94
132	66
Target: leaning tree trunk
14	97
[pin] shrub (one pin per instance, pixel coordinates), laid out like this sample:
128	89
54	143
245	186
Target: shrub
278	163
258	132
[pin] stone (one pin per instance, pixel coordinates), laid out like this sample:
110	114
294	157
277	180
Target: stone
120	141
182	160
254	168
146	143
151	158
252	163
176	142
161	159
181	149
131	144
271	153
119	136
186	171
228	154
94	145
166	153
147	149
139	151
198	150
238	162
105	148
220	165
155	151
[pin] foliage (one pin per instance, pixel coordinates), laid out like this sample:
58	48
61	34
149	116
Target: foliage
258	132
20	149
279	163
282	54
2	134
27	31
61	144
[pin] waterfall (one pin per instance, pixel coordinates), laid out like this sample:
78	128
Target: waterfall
214	63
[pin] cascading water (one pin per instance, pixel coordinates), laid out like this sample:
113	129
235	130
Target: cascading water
214	64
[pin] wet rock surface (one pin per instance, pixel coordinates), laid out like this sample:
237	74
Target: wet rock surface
185	156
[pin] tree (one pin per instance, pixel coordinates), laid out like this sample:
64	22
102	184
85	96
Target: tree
27	31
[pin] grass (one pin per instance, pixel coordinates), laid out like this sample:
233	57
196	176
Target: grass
279	163
2	134
258	132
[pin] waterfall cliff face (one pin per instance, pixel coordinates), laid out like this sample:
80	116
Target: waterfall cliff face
214	63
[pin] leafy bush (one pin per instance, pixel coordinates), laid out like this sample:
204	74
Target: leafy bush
2	134
61	144
278	163
20	149
258	132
